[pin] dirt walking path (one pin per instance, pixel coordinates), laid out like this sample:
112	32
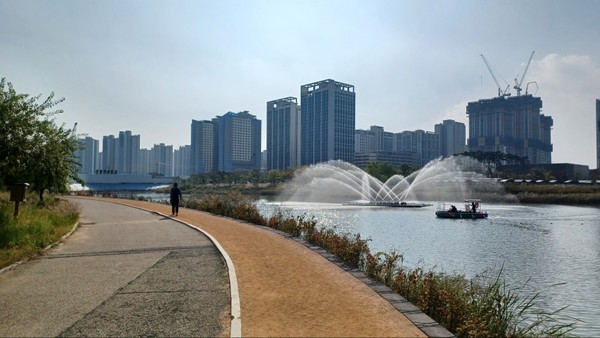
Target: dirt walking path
287	289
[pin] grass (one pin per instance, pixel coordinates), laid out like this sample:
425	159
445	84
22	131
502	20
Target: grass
577	194
482	307
34	229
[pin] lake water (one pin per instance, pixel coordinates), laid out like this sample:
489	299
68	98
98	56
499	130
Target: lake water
555	249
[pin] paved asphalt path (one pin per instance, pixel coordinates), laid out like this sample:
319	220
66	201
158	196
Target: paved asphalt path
123	272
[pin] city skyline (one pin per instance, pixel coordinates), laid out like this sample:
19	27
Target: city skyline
152	67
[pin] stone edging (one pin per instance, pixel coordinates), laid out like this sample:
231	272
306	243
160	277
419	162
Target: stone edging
425	323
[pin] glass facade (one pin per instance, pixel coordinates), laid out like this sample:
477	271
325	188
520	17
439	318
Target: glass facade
328	122
283	137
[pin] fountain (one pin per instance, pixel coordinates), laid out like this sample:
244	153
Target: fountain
342	182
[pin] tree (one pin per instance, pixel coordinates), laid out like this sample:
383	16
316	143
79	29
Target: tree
33	148
381	170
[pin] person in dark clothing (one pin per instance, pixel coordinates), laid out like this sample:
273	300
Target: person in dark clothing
175	199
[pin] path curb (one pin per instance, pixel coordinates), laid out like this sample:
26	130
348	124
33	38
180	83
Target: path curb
421	320
430	327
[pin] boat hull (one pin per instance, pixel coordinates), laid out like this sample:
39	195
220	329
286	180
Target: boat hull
461	214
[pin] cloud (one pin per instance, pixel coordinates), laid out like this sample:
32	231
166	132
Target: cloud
569	86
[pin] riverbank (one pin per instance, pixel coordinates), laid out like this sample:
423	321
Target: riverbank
287	289
564	194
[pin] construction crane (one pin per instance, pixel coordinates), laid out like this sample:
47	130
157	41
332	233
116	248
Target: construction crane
501	92
517	86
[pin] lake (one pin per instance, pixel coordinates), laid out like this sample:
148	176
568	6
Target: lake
555	249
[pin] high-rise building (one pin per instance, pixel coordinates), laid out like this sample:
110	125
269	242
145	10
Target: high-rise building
181	161
88	155
328	122
363	141
375	145
121	155
512	125
598	134
108	153
238	138
144	161
424	145
374	139
161	156
452	137
283	134
202	147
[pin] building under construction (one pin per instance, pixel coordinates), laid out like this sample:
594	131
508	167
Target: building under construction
511	125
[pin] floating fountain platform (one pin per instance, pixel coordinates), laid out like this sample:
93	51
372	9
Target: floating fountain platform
390	204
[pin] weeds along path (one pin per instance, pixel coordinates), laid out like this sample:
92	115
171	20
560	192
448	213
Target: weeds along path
288	290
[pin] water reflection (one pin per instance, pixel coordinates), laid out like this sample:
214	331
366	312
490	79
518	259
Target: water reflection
555	249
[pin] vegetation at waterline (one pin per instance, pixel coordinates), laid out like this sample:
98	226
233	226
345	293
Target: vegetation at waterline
483	307
34	229
33	149
569	194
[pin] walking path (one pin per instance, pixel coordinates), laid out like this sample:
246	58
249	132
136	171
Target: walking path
285	288
123	272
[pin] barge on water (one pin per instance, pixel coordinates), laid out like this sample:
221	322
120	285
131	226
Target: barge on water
472	210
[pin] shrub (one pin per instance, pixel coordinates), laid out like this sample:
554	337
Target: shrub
34	229
483	307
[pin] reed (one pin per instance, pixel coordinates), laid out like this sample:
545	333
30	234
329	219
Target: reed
482	307
34	229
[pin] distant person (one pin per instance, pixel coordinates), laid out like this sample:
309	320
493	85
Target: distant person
453	209
175	199
474	207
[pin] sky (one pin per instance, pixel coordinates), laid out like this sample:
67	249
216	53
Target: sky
152	66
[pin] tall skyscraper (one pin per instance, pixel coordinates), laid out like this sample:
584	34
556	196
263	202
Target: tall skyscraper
374	139
202	147
452	137
425	145
108	153
598	134
363	141
88	156
283	134
121	155
127	152
328	122
144	165
238	138
161	157
513	125
181	161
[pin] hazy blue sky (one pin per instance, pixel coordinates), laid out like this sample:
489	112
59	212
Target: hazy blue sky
153	66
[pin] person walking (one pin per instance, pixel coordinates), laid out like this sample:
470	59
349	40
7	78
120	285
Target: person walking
175	198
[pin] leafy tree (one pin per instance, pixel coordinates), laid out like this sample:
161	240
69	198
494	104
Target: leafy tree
381	170
406	170
33	148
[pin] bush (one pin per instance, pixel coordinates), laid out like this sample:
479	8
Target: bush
34	229
483	307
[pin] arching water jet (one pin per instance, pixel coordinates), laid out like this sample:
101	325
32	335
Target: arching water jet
341	182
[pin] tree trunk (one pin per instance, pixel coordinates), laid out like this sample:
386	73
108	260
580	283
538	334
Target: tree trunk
41	196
